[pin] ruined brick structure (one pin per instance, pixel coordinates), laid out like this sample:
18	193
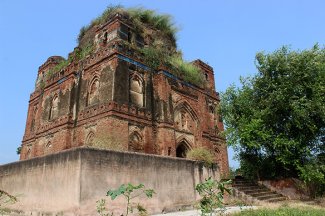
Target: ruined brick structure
112	99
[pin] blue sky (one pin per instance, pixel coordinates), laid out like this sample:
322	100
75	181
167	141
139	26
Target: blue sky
226	34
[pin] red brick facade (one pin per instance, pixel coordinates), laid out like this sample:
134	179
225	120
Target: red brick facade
111	99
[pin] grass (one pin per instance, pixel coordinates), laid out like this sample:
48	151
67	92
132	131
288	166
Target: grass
78	55
155	56
286	208
201	154
187	71
139	17
283	211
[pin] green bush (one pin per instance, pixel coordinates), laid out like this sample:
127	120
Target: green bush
313	175
201	154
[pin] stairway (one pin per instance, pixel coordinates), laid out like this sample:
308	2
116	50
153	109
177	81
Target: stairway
255	191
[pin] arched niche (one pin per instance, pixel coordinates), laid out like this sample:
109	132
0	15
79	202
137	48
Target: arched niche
136	89
182	148
93	91
185	118
29	153
90	139
135	142
54	109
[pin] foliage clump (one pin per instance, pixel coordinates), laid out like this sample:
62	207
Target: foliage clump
276	119
201	154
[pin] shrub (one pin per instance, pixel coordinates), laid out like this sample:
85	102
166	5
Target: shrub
313	175
18	150
201	154
212	193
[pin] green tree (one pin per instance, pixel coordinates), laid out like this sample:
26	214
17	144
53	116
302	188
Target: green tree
276	119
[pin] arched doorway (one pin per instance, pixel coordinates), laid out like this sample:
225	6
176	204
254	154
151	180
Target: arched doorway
182	150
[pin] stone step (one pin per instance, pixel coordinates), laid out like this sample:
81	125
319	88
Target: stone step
277	199
267	197
261	193
256	191
242	184
253	187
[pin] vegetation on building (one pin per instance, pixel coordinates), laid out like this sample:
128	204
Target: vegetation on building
160	53
201	154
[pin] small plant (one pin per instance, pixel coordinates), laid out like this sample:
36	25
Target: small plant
18	151
212	193
101	208
201	154
129	192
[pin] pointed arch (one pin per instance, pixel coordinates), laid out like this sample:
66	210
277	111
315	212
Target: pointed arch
48	144
93	91
90	139
187	107
54	107
185	118
136	142
35	109
29	153
182	147
136	89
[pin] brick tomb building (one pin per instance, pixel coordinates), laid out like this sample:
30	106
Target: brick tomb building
124	88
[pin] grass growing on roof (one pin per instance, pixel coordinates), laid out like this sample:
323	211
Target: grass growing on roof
161	51
138	16
188	71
